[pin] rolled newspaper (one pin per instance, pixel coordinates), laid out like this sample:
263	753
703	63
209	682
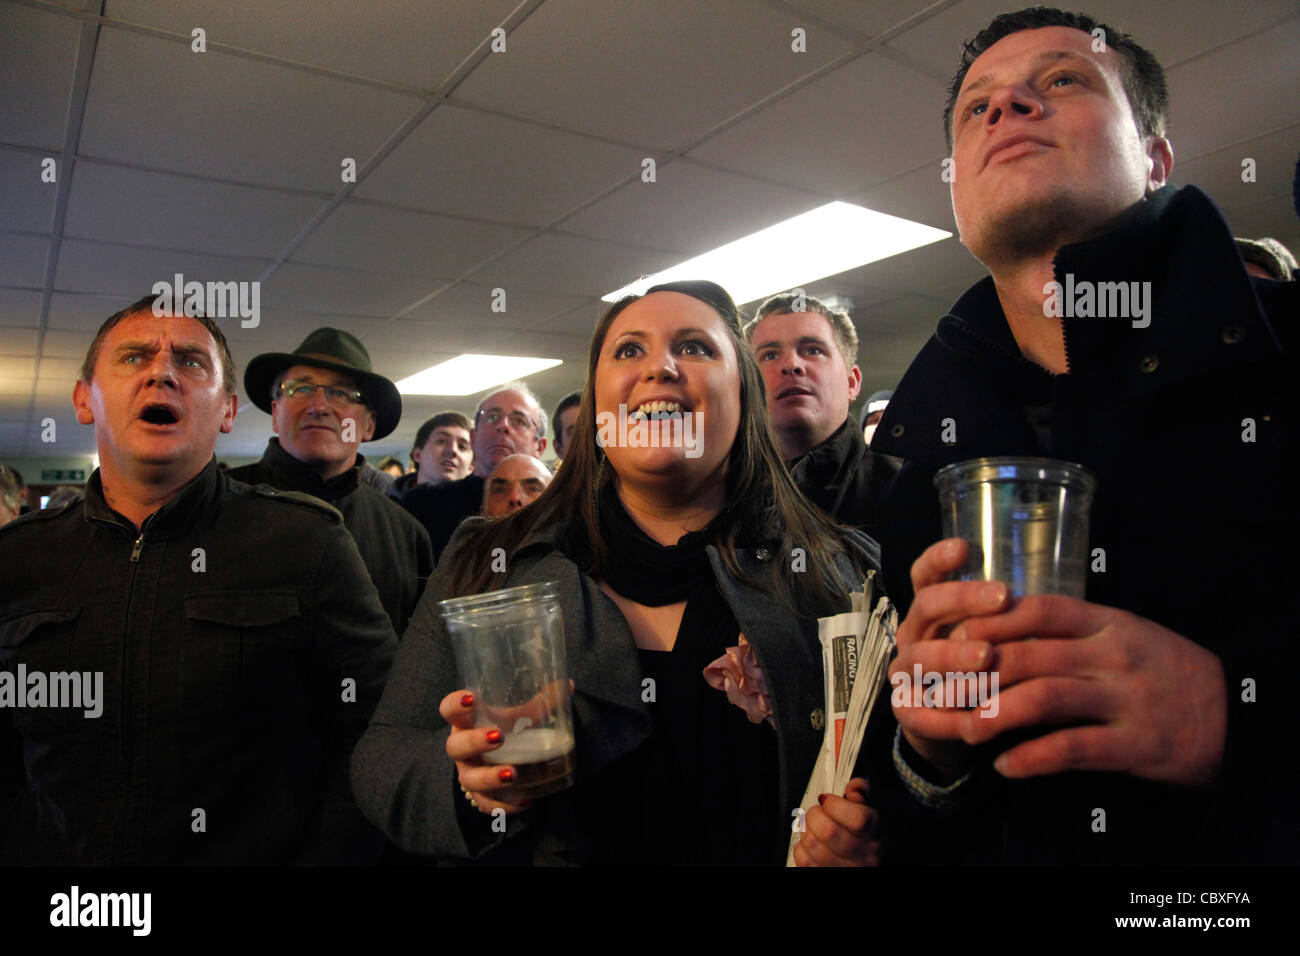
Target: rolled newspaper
856	647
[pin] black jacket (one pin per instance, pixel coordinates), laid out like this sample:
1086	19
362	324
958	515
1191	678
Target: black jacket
402	485
845	478
1191	427
242	650
441	508
393	546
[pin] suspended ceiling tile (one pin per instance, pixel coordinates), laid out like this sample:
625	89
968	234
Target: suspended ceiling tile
230	117
20	307
362	236
646	73
569	265
26	202
724	207
410	42
340	292
39	53
183	212
853	127
474	164
107	269
22	260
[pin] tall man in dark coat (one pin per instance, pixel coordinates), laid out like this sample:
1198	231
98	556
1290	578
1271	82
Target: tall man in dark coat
808	354
1151	722
217	649
324	401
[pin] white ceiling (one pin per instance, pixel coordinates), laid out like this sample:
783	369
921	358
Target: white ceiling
520	169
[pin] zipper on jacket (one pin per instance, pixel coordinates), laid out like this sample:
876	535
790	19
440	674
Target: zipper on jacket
127	752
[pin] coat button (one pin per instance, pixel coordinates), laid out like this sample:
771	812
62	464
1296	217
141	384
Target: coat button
818	719
1233	334
897	431
763	554
1149	363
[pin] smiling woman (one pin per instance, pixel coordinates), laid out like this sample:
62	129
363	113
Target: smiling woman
663	559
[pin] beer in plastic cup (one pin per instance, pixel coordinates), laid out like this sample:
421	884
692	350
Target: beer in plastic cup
510	655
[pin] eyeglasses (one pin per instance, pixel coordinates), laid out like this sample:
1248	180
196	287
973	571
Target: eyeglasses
338	397
518	420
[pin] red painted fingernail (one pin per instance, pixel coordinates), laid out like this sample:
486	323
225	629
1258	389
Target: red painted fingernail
494	736
822	798
505	775
467	700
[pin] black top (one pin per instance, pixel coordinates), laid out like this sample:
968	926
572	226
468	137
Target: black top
441	508
703	789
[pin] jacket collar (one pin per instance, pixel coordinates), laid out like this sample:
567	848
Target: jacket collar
180	514
292	475
825	465
1205	318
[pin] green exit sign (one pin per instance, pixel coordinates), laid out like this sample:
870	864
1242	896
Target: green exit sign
63	474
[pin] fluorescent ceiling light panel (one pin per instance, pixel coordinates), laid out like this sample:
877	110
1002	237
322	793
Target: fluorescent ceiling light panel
822	242
468	374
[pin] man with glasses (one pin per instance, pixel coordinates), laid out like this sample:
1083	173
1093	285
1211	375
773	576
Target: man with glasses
510	421
324	401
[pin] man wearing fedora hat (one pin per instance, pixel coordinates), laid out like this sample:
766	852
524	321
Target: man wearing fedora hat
325	400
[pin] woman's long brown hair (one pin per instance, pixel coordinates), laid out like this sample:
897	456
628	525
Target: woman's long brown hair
758	486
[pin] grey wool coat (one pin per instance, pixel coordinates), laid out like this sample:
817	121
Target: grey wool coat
406	784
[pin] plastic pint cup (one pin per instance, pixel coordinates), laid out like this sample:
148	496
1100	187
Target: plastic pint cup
1025	519
510	655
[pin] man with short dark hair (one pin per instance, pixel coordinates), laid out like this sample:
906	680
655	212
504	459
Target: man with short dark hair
1140	726
565	418
508	421
441	453
219	648
325	400
807	353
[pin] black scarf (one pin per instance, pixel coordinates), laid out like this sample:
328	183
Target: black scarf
642	569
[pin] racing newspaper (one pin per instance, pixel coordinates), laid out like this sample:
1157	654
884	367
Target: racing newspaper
856	648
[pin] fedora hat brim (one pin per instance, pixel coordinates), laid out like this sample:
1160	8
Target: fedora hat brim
381	395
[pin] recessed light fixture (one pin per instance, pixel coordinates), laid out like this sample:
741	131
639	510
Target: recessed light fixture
468	374
822	242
